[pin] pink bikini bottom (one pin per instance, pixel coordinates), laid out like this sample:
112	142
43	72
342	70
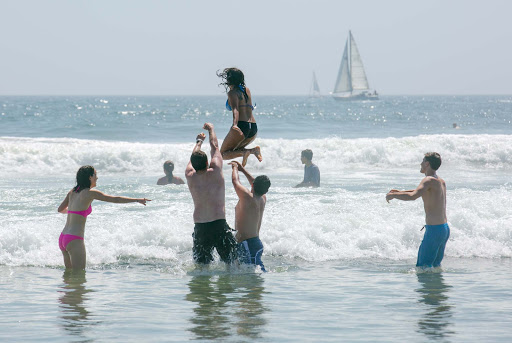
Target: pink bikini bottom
64	240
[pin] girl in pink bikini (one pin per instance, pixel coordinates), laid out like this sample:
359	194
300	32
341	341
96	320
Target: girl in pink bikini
71	240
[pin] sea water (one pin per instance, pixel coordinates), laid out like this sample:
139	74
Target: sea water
340	259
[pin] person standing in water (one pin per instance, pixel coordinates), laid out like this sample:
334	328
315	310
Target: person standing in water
432	189
311	171
71	240
244	128
206	185
169	178
249	214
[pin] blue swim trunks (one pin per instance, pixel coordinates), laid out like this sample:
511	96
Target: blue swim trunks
431	250
250	251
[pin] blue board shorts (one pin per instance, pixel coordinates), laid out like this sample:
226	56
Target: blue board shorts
250	251
431	250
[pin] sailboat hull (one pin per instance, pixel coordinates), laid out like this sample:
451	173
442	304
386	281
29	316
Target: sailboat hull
351	97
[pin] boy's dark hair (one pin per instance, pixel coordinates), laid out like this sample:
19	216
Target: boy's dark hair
434	159
308	153
199	160
261	184
169	166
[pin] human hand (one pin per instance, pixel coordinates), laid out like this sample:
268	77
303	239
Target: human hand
389	196
235	164
208	127
143	201
236	128
201	137
394	191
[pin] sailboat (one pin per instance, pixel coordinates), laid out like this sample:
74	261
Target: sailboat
352	83
314	91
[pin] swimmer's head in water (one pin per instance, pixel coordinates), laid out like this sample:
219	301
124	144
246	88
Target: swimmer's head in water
199	160
84	177
261	184
434	159
168	167
307	154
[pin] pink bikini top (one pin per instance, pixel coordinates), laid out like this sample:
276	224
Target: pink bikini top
82	213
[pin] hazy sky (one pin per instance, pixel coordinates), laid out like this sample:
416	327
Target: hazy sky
175	47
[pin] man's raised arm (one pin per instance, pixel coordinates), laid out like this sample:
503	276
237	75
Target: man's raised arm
216	157
239	188
249	177
199	141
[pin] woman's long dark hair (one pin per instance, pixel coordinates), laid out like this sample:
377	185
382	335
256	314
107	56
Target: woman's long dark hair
233	77
83	178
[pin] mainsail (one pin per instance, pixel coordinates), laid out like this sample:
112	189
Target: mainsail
314	91
343	82
315	84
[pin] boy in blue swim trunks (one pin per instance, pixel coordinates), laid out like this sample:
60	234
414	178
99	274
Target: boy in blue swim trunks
432	189
248	215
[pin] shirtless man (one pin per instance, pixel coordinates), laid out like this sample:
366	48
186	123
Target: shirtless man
248	215
432	189
206	184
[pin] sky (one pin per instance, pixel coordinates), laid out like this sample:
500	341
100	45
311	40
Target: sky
149	47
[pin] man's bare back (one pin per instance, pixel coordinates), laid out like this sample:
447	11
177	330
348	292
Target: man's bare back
207	186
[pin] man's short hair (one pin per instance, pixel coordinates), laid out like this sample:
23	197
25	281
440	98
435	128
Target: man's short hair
434	159
308	154
261	184
199	160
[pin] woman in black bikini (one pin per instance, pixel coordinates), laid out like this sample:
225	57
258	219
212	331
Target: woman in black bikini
244	128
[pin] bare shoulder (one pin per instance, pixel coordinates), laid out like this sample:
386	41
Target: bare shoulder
162	181
178	180
93	193
233	94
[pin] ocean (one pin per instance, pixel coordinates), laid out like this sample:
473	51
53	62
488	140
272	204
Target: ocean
340	259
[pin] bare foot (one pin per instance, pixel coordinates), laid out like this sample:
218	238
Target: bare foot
256	152
247	153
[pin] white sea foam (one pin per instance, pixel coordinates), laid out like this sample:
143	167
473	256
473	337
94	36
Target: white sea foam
26	156
347	218
307	224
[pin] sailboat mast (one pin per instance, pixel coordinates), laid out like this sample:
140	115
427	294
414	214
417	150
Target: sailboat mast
350	61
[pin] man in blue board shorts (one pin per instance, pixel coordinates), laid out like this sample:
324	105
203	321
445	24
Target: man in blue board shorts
432	189
248	215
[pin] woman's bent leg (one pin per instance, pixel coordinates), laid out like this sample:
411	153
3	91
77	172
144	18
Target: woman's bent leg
232	141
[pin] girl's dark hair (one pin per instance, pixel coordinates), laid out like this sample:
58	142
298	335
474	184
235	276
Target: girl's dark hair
169	167
233	77
83	178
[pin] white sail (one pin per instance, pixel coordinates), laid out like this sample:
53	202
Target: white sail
351	83
343	82
314	91
358	76
315	84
